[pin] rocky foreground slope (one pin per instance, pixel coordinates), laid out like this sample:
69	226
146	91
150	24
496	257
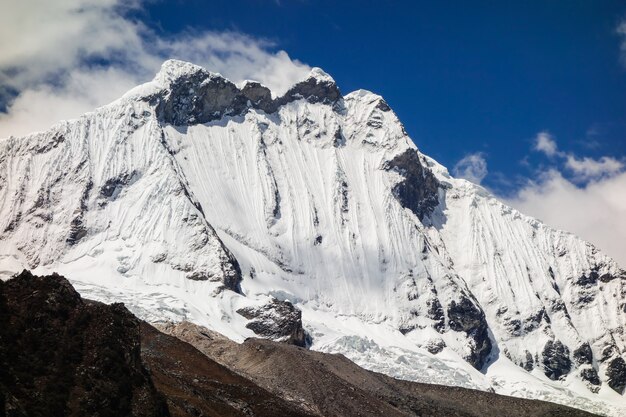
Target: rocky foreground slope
63	355
192	198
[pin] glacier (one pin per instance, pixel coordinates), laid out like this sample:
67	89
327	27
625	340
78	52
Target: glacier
192	198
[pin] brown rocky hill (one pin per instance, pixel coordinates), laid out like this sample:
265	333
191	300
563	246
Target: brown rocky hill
62	355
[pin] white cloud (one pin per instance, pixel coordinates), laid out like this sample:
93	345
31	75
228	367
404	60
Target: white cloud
48	50
583	169
237	57
40	38
621	31
595	212
544	142
40	106
472	167
586	168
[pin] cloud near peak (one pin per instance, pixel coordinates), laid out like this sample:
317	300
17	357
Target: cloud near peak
583	169
621	31
588	168
544	142
472	167
59	60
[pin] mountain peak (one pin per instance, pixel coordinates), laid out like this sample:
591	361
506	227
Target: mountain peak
189	94
173	70
320	75
318	87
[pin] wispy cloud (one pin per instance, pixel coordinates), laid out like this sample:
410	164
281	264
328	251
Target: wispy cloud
587	168
583	169
544	142
473	167
621	31
61	59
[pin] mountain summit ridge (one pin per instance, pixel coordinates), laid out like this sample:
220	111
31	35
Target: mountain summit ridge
198	199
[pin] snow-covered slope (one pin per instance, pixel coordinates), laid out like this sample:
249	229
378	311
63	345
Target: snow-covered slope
193	198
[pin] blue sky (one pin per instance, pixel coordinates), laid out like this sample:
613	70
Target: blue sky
526	98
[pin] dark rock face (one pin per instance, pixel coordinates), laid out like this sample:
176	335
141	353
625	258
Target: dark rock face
513	326
260	97
60	355
278	320
588	279
64	356
616	374
467	317
590	375
529	363
419	190
231	273
232	276
113	186
382	105
435	346
313	90
435	313
609	277
339	140
202	97
534	321
77	227
592	277
77	230
556	361
583	354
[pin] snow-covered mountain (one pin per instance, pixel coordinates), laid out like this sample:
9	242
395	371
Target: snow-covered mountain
194	198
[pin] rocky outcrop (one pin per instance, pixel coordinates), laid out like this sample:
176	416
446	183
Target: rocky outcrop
199	96
61	355
318	88
583	357
418	191
113	186
556	361
466	316
583	354
259	96
590	375
277	320
616	374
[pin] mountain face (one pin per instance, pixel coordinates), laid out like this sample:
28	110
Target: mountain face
312	218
